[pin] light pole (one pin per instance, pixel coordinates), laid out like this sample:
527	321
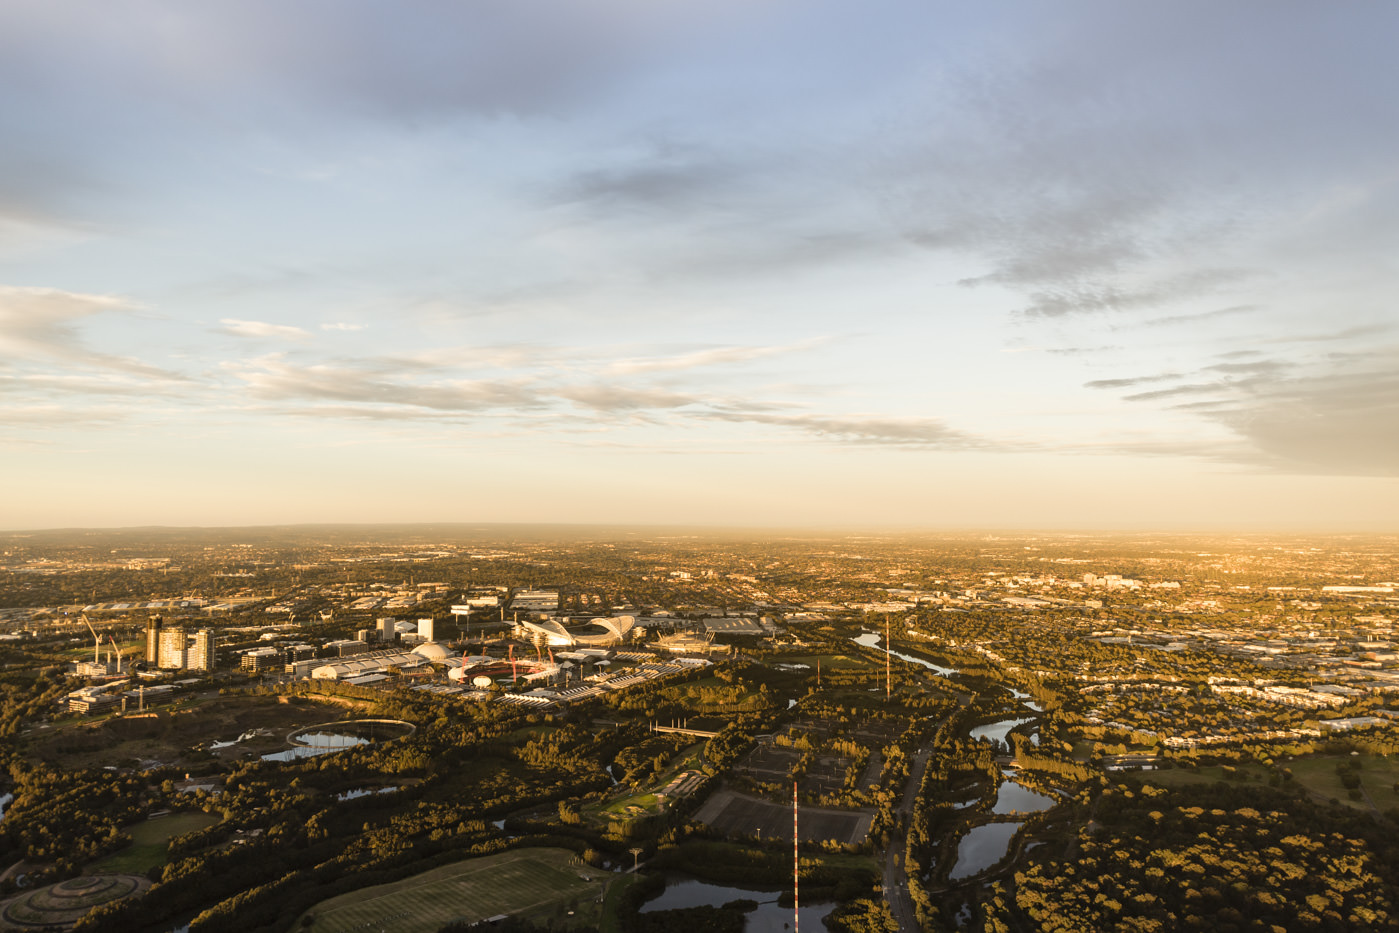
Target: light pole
635	854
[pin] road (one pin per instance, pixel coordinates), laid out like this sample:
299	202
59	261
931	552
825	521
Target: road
895	881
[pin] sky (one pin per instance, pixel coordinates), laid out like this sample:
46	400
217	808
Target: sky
772	263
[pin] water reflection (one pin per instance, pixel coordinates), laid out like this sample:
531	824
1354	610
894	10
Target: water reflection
997	731
872	640
982	847
365	792
317	743
769	917
1012	797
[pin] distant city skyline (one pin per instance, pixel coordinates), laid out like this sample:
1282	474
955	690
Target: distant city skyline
777	263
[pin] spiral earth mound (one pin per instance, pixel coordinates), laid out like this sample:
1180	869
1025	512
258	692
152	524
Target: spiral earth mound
59	906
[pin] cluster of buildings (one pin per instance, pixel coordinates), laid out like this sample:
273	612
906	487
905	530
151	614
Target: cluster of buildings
172	647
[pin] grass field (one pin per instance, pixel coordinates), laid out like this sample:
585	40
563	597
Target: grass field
1377	776
1208	774
688	758
1317	775
149	841
829	662
535	883
738	814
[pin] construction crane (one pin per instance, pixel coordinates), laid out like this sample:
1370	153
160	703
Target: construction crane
96	641
117	648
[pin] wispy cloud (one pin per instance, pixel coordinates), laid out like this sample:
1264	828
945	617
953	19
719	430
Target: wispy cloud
715	356
263	330
930	433
42	324
341	325
1129	381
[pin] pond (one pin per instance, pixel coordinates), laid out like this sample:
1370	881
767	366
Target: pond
872	640
1012	797
982	847
338	736
317	743
682	891
997	731
251	734
365	792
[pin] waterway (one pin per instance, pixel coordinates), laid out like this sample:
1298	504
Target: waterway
317	743
982	847
1013	797
366	792
768	917
872	640
999	730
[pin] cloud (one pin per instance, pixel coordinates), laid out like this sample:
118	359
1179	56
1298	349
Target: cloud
42	320
1096	297
605	398
872	430
262	329
41	324
1197	318
667	178
1339	421
546	400
341	325
1335	414
352	56
715	356
273	378
1130	381
1074	163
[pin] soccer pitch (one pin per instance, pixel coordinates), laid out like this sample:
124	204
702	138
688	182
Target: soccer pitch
523	881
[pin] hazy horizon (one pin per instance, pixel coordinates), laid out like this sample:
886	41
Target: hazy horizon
775	264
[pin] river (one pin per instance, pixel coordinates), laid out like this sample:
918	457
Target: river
872	640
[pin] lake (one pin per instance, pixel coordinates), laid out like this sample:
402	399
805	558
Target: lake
982	847
767	918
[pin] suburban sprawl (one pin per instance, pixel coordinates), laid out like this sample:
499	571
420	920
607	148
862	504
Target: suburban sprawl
527	728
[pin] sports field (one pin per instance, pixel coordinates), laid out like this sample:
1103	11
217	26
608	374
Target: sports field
741	815
150	842
538	883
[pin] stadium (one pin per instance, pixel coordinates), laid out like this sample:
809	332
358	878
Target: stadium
596	633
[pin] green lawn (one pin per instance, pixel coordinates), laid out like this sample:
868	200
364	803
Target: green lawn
1377	775
149	841
1208	774
611	922
829	662
687	759
1318	775
541	884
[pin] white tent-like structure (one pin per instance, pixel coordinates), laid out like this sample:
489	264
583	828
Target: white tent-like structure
599	632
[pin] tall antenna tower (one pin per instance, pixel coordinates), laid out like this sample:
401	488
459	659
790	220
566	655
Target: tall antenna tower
888	690
796	866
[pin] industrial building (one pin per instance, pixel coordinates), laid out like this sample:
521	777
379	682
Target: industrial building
378	662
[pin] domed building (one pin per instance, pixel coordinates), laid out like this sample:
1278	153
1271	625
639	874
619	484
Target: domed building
434	652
